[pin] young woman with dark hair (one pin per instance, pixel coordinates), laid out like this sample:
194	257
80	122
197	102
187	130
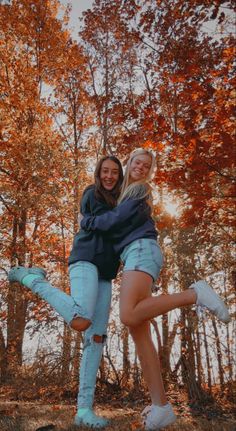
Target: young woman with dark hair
92	266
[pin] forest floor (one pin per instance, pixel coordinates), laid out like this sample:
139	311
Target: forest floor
35	416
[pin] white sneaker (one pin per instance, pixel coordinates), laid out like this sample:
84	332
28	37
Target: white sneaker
155	417
206	297
145	412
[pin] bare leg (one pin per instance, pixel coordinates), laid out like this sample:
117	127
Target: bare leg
150	362
137	305
135	289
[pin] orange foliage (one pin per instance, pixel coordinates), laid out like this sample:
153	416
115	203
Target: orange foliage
141	75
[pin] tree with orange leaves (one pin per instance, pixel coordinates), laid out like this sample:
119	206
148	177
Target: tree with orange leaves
32	166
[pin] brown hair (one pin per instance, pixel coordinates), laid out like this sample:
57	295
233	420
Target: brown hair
110	197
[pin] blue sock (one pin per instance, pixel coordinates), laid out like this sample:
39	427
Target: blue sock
81	412
28	279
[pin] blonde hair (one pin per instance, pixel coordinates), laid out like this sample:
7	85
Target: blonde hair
138	189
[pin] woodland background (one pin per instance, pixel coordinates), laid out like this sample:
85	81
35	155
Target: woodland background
152	73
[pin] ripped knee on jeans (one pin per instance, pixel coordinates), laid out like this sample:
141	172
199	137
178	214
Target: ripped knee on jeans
99	338
95	339
80	323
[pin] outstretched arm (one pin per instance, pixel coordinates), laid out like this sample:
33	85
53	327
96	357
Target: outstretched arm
123	213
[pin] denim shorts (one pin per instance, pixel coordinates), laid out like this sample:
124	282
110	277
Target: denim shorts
143	255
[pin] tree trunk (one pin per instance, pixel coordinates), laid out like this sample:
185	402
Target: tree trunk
116	373
200	375
219	355
229	357
66	349
66	354
165	347
126	361
3	358
136	372
16	302
207	358
188	361
165	350
76	355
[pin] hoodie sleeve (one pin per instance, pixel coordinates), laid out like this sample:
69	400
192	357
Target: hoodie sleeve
86	201
118	217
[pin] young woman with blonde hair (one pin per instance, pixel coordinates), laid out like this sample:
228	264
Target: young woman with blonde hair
142	260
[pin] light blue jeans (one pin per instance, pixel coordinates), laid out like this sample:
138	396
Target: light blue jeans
90	298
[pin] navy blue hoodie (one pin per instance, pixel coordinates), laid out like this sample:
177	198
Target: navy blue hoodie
97	246
113	224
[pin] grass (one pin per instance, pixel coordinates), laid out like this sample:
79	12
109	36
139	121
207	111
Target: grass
15	416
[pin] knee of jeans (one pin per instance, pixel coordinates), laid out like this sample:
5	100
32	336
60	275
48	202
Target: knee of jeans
85	324
80	324
100	339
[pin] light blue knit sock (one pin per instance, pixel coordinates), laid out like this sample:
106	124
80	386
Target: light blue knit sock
86	416
83	411
29	278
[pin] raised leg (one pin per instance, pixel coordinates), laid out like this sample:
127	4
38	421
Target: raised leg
34	279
